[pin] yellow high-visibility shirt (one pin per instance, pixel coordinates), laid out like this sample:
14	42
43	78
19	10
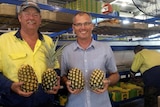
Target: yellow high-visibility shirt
145	60
15	52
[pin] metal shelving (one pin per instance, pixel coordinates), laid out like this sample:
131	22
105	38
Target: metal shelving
55	26
109	30
58	24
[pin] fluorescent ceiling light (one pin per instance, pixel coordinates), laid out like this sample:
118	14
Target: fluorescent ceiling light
125	22
124	4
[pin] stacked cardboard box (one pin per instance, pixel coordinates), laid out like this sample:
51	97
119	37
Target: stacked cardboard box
60	17
11	10
7	9
45	14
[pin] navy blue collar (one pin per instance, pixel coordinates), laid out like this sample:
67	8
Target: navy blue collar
18	35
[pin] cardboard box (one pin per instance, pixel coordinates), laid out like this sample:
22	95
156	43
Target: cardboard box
7	9
60	17
140	25
45	14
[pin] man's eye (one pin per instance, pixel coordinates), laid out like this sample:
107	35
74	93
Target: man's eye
86	24
35	14
78	24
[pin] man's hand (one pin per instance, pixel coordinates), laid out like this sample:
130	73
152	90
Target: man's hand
55	88
106	83
132	74
16	87
72	91
68	85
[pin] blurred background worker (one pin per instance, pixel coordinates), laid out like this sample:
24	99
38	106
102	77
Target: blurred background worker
148	63
25	47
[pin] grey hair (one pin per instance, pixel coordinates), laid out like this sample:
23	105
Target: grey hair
82	13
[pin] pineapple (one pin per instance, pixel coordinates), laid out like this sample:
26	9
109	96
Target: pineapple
96	79
49	77
76	77
27	75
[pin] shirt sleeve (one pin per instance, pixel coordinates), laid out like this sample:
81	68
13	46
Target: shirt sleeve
0	58
5	84
110	62
137	62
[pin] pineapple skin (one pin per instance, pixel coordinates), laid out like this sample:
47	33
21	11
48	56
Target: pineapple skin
27	75
96	79
49	79
76	78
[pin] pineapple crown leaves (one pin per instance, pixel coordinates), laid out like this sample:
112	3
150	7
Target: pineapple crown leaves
52	54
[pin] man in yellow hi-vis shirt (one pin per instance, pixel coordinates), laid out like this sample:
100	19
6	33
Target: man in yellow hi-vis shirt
148	62
24	47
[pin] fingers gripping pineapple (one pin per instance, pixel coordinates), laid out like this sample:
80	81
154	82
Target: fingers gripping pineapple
27	75
49	77
96	79
76	77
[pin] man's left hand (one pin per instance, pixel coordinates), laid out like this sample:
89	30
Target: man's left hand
55	88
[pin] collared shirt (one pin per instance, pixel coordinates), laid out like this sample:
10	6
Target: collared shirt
145	60
97	56
15	52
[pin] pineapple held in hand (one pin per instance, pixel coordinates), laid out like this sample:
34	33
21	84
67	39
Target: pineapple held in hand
76	77
49	77
27	75
96	79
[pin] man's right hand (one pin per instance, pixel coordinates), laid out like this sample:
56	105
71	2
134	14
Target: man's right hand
16	87
72	91
68	85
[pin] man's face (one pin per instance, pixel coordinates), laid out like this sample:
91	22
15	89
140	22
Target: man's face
30	18
82	26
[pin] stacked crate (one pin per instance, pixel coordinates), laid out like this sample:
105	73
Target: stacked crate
99	7
75	5
124	91
85	5
118	93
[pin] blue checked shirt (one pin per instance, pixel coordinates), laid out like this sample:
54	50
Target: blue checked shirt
97	55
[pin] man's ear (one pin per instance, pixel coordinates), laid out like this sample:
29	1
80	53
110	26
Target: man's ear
93	26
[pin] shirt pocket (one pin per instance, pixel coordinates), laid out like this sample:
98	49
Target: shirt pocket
17	56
